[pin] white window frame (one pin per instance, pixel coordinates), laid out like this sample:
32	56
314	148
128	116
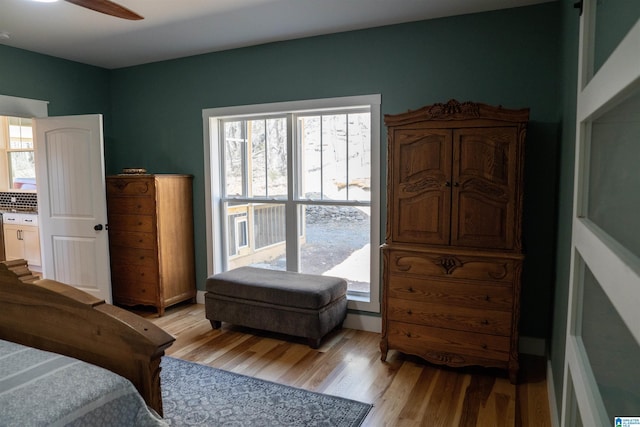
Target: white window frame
242	229
7	151
213	180
12	106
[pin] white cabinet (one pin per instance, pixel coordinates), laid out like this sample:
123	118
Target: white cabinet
22	238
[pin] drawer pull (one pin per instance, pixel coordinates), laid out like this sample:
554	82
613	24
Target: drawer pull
409	312
411	289
408	334
484	346
485	322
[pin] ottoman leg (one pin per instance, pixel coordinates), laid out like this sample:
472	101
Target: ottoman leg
314	342
215	324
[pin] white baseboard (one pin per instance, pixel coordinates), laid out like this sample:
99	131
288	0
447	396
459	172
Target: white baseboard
200	297
364	322
551	393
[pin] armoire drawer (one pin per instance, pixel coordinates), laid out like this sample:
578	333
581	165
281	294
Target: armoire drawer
428	342
130	187
452	266
450	316
464	294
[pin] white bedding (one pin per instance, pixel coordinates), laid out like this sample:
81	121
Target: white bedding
39	388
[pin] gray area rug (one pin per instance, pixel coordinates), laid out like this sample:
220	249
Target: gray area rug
198	395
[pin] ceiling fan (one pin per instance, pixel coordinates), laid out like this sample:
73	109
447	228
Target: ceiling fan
108	7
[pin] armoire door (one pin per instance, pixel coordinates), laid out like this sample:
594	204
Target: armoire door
422	178
484	187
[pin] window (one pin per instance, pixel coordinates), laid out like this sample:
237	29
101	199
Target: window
18	148
296	188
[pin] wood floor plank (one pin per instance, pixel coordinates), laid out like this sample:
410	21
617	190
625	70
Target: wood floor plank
404	390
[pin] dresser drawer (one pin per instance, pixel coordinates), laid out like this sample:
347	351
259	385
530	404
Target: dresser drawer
464	294
453	266
125	186
122	256
446	345
450	316
132	239
140	293
132	273
136	223
132	205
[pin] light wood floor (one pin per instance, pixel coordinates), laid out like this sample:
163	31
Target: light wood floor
404	390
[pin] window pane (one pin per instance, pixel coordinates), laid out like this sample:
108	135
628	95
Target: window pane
614	175
20	133
335	241
359	167
334	157
614	19
604	333
234	149
257	141
277	157
256	235
310	141
22	170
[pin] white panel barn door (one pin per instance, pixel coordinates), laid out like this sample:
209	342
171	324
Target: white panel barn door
72	203
602	365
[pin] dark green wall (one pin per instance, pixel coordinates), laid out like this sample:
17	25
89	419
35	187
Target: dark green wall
508	57
70	87
153	112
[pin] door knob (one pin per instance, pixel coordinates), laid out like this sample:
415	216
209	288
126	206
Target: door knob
97	227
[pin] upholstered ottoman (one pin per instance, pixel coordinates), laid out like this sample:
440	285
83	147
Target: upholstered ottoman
303	305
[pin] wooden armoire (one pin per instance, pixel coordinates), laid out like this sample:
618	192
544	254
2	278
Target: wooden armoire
453	252
151	242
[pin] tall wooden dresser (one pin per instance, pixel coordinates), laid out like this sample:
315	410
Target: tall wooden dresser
151	239
453	250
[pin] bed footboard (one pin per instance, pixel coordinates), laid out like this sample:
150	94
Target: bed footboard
56	317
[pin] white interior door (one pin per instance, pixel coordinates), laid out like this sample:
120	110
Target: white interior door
72	205
602	368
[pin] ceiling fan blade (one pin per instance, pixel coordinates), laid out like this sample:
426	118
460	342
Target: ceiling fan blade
107	7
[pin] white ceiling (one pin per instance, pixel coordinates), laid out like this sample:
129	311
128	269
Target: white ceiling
178	28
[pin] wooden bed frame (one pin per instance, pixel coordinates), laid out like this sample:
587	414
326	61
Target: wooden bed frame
56	317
